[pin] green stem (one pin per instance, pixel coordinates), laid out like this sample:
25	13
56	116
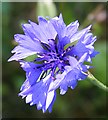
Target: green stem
96	82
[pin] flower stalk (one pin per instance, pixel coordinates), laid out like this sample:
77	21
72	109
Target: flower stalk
96	82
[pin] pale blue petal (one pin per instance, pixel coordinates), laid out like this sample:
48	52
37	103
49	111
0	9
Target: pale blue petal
28	30
49	99
29	98
79	49
79	34
63	88
39	33
32	73
21	53
25	48
51	105
72	29
39	94
73	61
42	21
28	43
59	26
47	28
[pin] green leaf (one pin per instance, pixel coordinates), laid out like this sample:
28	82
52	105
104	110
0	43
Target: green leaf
70	44
30	58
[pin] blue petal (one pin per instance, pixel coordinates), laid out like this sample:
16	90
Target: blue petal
28	30
32	74
39	35
65	40
82	76
89	39
56	83
25	48
83	57
42	20
28	43
59	26
40	95
73	61
21	53
72	29
49	99
29	98
44	30
63	88
47	28
79	34
54	98
71	75
79	49
94	54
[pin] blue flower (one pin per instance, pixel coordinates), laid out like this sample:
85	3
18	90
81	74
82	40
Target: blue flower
60	63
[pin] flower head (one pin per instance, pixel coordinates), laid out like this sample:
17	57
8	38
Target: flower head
61	52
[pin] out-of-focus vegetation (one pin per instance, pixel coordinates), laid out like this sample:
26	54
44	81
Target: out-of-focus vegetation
86	100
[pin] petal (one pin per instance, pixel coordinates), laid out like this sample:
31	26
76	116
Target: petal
60	28
61	43
72	28
28	43
28	30
55	84
41	32
82	76
42	20
25	48
79	49
50	106
71	78
89	39
25	85
49	99
94	54
32	74
83	57
28	66
21	53
63	89
29	98
79	34
59	25
73	61
47	28
39	94
64	41
38	32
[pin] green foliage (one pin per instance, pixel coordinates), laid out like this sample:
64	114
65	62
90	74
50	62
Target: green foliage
70	44
31	58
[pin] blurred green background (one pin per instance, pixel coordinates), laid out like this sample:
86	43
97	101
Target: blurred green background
86	100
